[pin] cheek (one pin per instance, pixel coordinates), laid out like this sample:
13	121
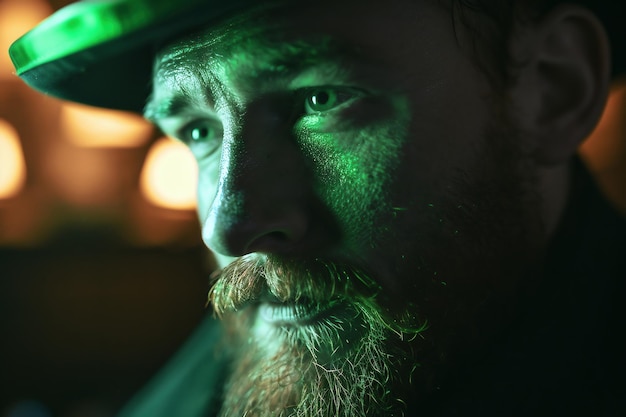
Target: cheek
450	121
207	188
353	172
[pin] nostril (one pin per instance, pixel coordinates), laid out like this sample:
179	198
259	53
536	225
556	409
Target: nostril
238	232
274	241
278	235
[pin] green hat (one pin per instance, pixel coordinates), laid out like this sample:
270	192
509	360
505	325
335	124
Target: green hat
100	52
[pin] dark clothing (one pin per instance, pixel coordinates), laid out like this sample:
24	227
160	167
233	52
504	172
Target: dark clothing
566	356
190	384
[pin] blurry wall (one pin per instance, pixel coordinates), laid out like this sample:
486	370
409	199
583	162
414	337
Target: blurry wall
102	270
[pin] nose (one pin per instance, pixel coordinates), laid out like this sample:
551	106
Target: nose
264	200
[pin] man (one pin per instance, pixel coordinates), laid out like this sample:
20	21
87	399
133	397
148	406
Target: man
392	195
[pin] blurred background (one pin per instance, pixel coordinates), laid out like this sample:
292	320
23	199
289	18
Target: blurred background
102	270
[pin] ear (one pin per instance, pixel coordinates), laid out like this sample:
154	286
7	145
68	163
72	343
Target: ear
561	73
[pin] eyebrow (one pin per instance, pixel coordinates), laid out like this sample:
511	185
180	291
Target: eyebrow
163	109
284	69
288	61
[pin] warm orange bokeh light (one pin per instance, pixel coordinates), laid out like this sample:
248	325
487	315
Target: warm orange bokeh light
605	150
169	176
606	145
93	127
16	18
12	166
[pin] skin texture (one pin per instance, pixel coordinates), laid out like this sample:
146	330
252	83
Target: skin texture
385	195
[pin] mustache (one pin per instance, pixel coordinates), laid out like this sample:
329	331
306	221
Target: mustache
254	278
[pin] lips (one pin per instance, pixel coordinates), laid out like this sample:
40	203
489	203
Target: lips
285	314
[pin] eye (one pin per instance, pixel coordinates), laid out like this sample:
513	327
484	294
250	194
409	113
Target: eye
323	99
199	131
203	137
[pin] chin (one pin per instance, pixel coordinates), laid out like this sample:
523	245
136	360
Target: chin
340	360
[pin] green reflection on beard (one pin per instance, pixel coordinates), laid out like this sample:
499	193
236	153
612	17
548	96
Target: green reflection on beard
339	366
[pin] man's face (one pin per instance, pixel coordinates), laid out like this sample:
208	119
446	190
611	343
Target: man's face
357	170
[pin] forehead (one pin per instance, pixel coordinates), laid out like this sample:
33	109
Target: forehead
367	21
393	46
278	37
257	52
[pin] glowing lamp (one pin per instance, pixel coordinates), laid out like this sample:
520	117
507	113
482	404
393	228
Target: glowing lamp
169	176
16	18
87	126
12	165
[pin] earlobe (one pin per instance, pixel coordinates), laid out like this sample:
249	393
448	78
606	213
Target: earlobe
561	82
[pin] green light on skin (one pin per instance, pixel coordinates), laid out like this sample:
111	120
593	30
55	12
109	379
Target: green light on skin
355	157
351	134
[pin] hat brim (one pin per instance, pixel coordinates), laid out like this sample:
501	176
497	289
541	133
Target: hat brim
101	52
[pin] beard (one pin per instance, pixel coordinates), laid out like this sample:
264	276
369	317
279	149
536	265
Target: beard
365	356
340	364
